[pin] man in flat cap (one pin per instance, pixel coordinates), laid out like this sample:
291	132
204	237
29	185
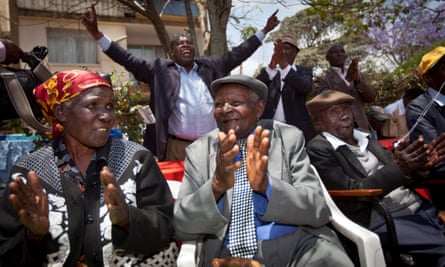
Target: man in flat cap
348	80
289	86
348	158
426	114
248	190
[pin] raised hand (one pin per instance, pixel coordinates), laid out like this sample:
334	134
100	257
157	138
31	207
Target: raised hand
30	202
437	146
272	22
89	19
412	157
115	199
352	72
256	160
224	178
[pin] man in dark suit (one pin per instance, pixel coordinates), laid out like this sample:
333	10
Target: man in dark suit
426	114
289	86
287	208
347	80
348	158
180	97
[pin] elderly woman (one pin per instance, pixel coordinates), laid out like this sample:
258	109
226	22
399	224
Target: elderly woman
85	199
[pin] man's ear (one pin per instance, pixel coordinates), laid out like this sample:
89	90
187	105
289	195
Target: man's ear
427	78
319	126
260	109
59	112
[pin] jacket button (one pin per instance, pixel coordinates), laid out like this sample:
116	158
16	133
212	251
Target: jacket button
89	219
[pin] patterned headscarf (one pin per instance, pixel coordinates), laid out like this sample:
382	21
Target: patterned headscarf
62	87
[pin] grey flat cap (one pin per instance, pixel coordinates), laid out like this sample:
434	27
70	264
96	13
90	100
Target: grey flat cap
254	84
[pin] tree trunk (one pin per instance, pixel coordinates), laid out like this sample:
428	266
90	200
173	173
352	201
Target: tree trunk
191	23
149	11
219	12
204	25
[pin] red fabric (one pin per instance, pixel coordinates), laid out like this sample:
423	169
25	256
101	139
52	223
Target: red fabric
172	170
388	143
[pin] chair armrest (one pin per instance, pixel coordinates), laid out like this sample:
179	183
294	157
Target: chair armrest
356	193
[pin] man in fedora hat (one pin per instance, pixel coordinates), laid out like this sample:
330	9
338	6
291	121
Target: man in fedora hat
348	158
289	86
284	211
426	114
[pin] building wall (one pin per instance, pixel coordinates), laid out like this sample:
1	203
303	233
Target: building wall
32	28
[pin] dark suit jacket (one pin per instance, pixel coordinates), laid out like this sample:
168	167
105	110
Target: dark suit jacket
297	85
164	80
340	169
430	126
364	93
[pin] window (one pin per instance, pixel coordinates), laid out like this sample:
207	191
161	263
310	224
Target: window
71	47
147	52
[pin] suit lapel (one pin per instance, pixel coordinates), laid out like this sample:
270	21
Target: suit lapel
351	159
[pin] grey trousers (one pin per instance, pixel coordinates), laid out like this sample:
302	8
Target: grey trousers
300	249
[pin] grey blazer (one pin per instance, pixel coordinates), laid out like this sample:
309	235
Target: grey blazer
296	197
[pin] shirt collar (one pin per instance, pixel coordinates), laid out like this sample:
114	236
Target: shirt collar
182	69
361	137
439	99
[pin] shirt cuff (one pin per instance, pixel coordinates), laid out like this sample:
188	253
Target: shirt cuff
104	42
260	35
2	52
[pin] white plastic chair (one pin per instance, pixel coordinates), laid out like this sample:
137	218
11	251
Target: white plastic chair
368	244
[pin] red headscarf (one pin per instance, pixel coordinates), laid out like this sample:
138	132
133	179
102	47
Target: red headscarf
64	86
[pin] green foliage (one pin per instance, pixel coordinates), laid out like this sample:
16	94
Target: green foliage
128	120
403	77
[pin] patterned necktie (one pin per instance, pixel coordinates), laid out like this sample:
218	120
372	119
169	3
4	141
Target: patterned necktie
242	233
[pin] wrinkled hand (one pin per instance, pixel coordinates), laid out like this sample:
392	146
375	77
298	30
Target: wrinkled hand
115	199
272	22
89	19
30	202
234	262
437	146
13	53
224	178
256	159
352	73
412	157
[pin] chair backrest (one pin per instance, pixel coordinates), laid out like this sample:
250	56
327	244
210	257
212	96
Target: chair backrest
368	243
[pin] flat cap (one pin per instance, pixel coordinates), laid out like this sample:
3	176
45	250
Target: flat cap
430	59
290	40
254	84
326	99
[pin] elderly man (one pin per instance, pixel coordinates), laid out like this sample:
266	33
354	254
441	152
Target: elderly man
347	80
281	221
347	158
180	88
289	86
426	114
